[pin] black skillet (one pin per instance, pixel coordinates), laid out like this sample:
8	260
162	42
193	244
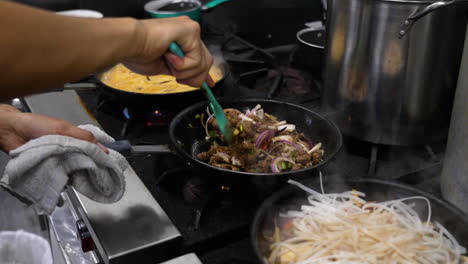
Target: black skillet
177	100
188	137
291	197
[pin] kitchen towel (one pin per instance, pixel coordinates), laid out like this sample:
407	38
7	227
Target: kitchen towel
40	169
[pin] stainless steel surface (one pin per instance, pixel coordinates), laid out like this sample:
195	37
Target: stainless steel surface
136	228
185	259
65	105
134	223
16	102
454	180
389	89
63	226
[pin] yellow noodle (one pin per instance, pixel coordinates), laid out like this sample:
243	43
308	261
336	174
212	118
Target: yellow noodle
122	78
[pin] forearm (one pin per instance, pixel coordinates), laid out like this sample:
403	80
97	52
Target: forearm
39	50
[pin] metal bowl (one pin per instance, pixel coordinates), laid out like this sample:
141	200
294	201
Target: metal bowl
291	197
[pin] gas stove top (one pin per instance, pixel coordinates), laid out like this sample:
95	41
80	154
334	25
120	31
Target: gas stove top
213	220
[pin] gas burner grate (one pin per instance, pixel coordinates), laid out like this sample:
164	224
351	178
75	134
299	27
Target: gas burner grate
269	73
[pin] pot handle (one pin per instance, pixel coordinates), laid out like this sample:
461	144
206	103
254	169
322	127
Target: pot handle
420	13
213	3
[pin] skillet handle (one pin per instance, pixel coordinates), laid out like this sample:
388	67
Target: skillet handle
75	87
79	86
121	146
125	148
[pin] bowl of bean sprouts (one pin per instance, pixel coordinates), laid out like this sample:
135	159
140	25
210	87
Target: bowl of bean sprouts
358	221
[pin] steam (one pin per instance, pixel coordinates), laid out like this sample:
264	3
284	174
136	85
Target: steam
218	57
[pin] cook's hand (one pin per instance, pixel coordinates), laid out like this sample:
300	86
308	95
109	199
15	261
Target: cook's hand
153	56
17	128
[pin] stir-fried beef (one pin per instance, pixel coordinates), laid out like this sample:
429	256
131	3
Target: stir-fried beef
261	143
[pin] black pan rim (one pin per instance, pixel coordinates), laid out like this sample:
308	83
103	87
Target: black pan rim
253	100
254	227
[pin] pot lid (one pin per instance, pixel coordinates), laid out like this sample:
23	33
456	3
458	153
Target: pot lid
311	37
413	1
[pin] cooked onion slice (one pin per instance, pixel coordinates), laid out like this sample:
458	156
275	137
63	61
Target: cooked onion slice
315	148
289	143
275	163
264	139
288	127
285	137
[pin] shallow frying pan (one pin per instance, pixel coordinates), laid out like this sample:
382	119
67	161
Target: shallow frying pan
188	138
169	100
291	197
188	135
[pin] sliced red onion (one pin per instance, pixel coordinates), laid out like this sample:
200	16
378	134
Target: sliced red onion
235	161
261	113
287	127
284	137
280	123
290	143
264	138
308	141
206	125
244	117
276	161
280	130
251	112
315	148
254	110
208	111
225	157
303	145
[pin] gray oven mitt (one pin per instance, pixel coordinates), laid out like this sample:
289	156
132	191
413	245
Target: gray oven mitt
39	170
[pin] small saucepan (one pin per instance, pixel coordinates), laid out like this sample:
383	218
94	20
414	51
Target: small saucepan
140	99
311	49
173	8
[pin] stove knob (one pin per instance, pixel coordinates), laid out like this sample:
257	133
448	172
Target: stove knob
87	243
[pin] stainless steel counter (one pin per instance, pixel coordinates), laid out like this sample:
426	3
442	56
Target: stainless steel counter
185	259
134	229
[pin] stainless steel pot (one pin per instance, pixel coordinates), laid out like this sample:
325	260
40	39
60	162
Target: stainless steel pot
392	67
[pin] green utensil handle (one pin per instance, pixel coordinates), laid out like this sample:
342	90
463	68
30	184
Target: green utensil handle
175	48
213	102
216	108
213	3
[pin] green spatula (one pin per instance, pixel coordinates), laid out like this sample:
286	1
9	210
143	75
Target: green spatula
218	111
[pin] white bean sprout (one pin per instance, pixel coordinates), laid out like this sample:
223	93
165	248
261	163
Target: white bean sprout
344	228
